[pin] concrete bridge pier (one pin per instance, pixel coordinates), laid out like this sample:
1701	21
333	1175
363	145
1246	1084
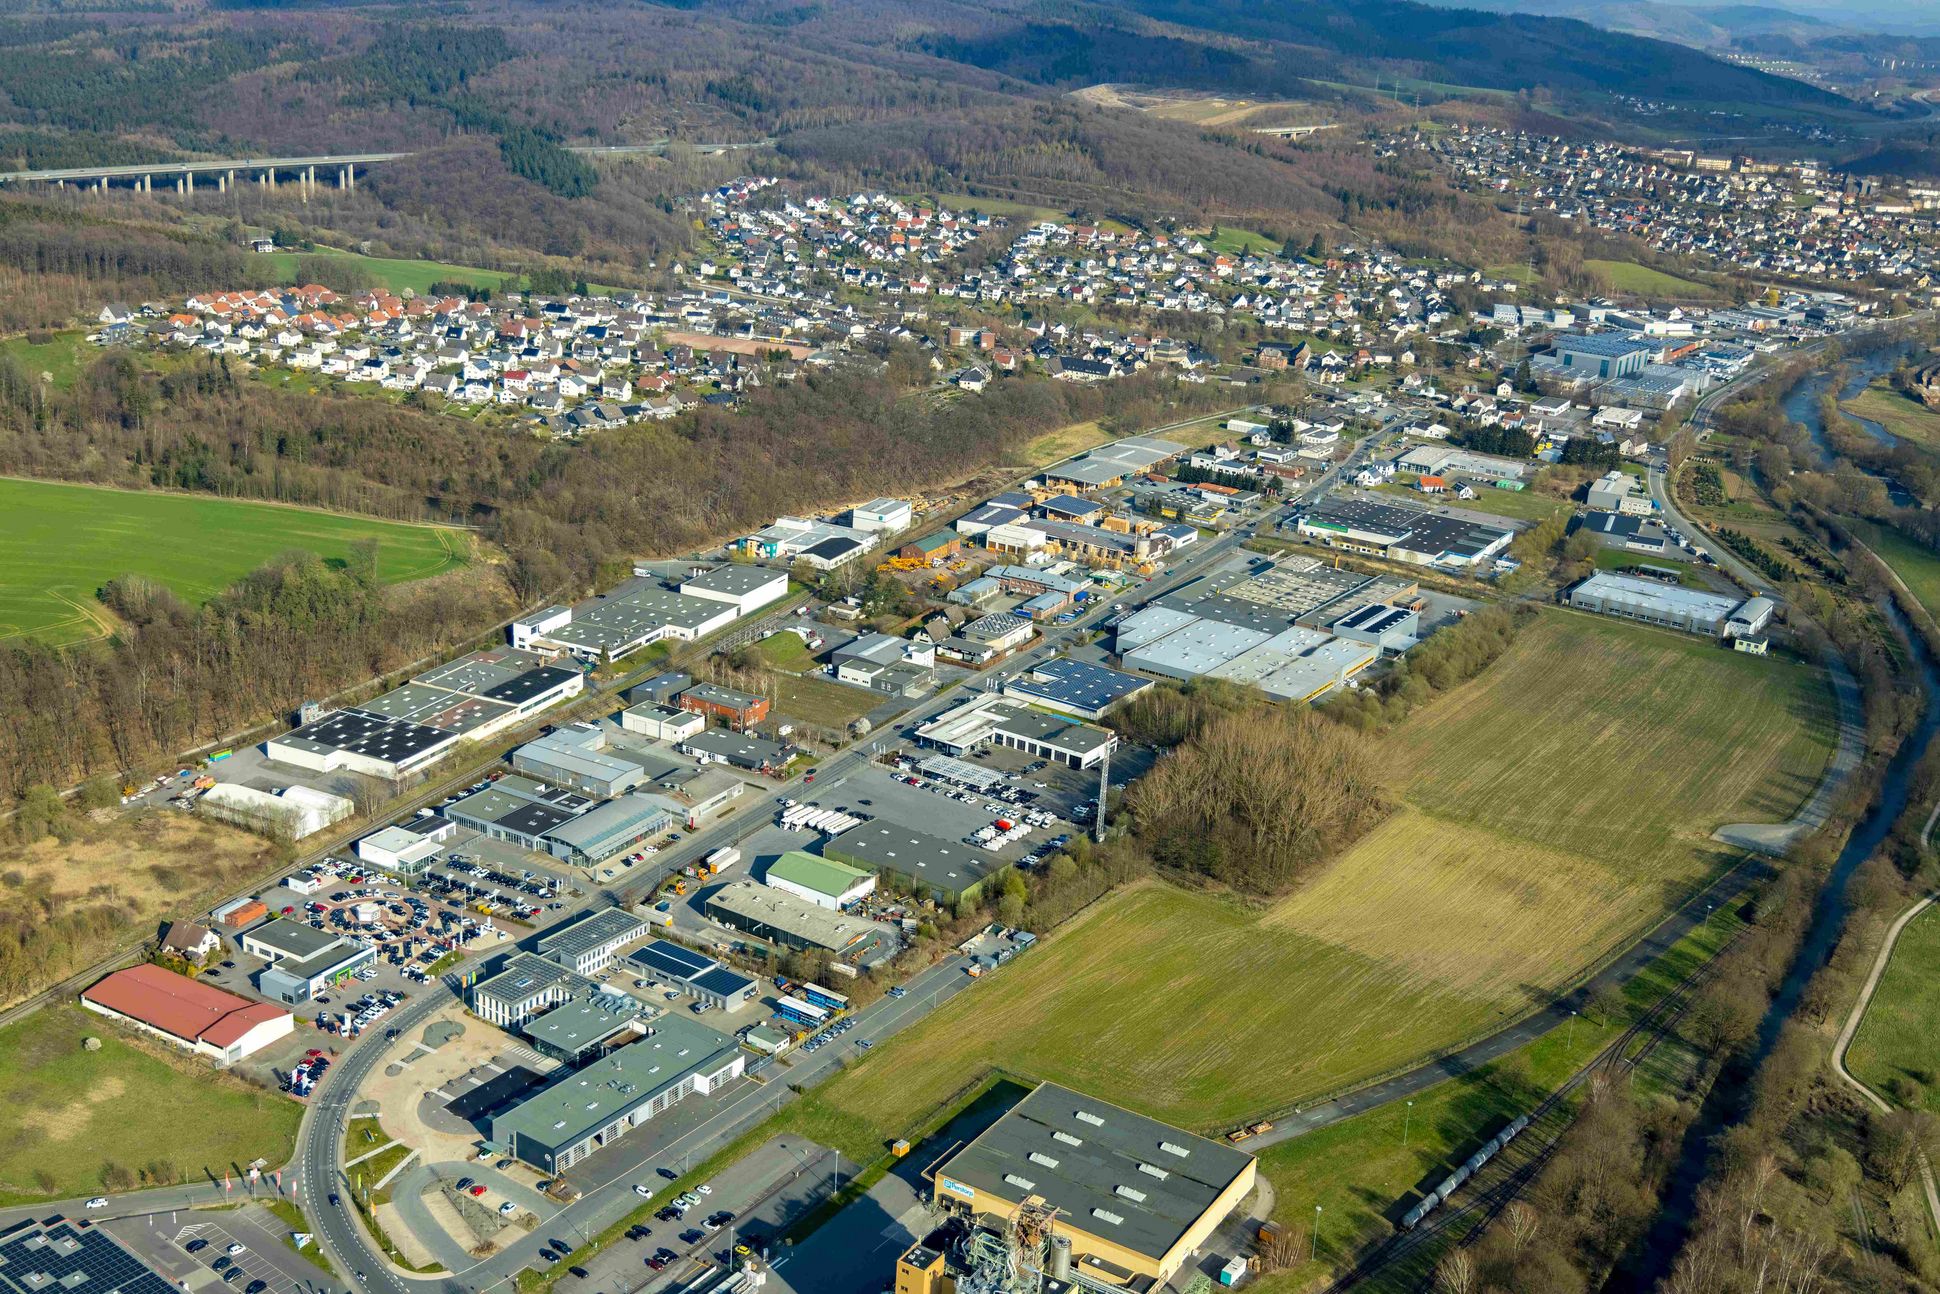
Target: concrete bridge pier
222	180
100	184
145	183
188	183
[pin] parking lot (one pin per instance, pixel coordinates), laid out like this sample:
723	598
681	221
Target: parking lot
193	1248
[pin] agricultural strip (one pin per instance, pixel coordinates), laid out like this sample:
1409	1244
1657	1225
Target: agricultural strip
1549	810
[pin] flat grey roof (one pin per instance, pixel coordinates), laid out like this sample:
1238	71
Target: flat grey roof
583	1022
588	1099
293	938
735	580
524	976
892	848
1107	1171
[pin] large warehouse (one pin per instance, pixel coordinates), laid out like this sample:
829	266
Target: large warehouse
1669	605
1405	534
781	918
643	610
571	1118
821	881
1135	1197
921	864
1007	721
413	726
199	1017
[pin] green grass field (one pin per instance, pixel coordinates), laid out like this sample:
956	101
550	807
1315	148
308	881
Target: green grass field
394	274
1896	1039
58	359
785	651
1241	242
1616	559
1360	1170
1549	811
66	1113
1628	276
60	543
1516	505
820	702
1913	562
1901	415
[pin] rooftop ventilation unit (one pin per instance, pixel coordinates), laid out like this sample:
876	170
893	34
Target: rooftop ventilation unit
1045	1160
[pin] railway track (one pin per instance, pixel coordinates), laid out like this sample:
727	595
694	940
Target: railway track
1498	1183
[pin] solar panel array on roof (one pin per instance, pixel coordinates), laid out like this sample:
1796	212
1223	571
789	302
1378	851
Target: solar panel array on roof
36	1257
372	735
672	961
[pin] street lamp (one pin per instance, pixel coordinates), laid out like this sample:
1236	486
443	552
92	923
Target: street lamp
1406	1119
1313	1240
1572	1033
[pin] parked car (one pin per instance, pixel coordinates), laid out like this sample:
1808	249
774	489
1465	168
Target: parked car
98	1202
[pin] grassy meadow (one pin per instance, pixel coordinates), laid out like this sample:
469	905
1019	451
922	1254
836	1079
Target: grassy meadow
60	543
1547	812
392	272
65	1111
1628	276
1896	1039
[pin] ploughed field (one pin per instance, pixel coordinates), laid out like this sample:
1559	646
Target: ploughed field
1547	814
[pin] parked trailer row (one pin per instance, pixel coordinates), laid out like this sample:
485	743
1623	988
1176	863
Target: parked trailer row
830	822
1469	1167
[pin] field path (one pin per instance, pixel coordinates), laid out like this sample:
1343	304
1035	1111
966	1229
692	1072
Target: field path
1776	837
1851	1028
1698	908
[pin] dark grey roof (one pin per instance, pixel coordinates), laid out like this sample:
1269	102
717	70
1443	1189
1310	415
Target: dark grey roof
532	683
1108	1172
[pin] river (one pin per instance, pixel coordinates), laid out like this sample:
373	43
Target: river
1653	1258
1801	404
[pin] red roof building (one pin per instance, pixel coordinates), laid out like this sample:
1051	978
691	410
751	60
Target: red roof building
200	1017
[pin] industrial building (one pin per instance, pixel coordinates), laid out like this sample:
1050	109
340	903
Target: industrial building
1075	687
718	746
40	1256
1446	460
411	727
661	722
1602	355
574	757
1131	1198
407	848
738	710
527	985
196	1017
637	612
294	811
1668	605
1402	533
594	1106
820	881
1007	721
613	828
745	588
881	516
582	1027
1389	628
781	917
820	544
1617	492
588	945
921	864
696	974
518	811
303	961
